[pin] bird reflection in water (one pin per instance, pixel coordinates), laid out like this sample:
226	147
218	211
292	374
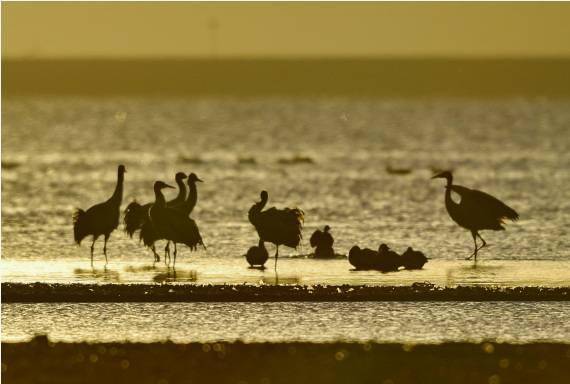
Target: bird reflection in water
105	274
173	275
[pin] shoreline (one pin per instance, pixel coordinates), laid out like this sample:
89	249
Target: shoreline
93	293
223	362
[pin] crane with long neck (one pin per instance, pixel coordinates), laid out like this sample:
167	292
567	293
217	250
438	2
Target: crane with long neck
100	219
476	211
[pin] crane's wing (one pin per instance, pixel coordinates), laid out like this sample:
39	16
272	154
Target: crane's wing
483	202
316	238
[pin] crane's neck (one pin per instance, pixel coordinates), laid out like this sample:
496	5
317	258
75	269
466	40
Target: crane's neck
159	199
256	209
192	196
181	190
118	193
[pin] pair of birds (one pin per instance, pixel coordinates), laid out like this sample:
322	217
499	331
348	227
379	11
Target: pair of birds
156	221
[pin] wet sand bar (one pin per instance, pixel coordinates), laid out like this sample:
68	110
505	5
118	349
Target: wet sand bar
44	292
42	361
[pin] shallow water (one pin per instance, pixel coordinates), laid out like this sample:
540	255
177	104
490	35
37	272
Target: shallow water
234	270
62	153
412	322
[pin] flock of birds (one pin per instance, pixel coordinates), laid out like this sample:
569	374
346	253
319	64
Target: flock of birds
171	221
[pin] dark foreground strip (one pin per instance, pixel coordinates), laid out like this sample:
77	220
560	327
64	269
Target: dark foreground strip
43	292
40	361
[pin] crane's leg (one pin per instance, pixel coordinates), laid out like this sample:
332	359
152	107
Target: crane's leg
175	252
105	249
276	257
483	245
167	253
92	249
476	249
156	256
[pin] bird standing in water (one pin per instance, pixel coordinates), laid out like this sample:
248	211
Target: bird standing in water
476	211
277	226
323	241
100	219
169	223
136	214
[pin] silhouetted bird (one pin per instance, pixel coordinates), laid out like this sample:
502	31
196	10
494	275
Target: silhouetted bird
413	259
187	206
136	214
387	260
362	258
169	224
277	226
257	255
100	219
477	210
323	241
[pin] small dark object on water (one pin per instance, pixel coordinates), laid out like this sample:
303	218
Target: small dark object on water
413	259
257	255
323	241
297	160
398	171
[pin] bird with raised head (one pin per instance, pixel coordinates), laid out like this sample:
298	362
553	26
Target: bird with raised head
476	211
100	219
277	226
169	224
322	241
136	214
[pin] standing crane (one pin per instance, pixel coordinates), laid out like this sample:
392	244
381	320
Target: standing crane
136	214
100	219
277	226
169	223
476	211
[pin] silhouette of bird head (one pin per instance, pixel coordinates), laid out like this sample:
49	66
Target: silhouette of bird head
192	178
354	250
383	248
180	176
122	169
327	228
444	175
264	195
161	185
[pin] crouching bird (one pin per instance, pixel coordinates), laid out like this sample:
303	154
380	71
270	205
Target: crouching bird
477	210
100	219
323	241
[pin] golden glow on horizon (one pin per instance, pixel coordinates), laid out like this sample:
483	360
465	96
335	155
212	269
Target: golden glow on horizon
64	30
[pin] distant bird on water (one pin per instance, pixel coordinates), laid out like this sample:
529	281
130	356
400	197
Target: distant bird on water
136	214
323	241
477	210
169	223
277	226
100	219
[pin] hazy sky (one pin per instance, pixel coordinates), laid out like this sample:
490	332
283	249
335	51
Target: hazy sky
284	29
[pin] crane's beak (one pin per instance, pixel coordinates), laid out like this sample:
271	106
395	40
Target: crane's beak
439	175
198	179
169	186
